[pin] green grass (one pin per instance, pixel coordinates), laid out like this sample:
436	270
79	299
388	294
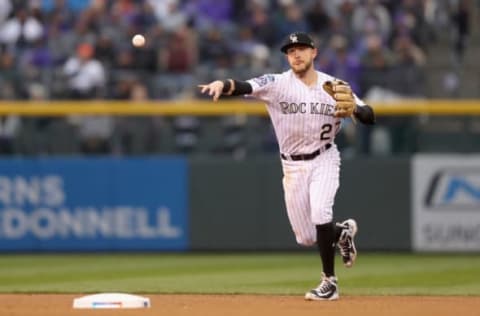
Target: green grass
275	273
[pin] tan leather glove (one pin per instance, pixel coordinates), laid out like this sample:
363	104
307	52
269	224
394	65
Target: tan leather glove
341	92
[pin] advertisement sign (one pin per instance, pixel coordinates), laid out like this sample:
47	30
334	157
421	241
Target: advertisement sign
93	204
446	202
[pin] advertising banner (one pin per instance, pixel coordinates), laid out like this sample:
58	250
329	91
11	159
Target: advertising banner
446	203
93	204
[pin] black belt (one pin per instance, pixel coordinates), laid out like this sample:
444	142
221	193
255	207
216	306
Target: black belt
309	156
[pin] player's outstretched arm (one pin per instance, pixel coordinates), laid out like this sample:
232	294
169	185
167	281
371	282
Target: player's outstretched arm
226	87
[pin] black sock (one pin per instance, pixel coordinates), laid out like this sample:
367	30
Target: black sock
326	247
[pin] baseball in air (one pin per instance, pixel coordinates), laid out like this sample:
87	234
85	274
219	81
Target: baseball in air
138	40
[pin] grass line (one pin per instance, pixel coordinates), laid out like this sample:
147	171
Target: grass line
272	273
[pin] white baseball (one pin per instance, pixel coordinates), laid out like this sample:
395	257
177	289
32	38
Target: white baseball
138	40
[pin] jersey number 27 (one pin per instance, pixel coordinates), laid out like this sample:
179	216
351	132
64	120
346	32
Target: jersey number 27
327	129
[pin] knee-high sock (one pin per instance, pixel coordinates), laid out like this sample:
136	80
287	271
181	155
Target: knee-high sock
326	247
338	232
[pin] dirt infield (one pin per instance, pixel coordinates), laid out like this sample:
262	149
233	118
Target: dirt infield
250	305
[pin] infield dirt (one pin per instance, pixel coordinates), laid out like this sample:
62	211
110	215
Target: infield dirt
251	305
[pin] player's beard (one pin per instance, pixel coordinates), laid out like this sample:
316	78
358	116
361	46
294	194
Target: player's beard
302	69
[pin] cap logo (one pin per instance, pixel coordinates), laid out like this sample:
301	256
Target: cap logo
293	38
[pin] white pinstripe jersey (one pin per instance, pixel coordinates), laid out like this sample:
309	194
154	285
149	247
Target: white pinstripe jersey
302	116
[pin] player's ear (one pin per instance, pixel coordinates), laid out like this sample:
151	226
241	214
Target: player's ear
315	52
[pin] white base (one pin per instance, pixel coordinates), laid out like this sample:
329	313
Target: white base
111	300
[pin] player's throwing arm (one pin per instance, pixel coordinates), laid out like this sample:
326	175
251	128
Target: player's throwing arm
226	87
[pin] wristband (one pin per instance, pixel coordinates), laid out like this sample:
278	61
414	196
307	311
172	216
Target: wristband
228	86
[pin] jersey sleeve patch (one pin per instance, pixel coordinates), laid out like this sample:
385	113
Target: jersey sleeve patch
264	80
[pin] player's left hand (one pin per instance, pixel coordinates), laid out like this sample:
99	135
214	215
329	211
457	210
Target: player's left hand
213	89
342	93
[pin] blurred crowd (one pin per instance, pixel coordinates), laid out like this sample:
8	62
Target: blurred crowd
81	49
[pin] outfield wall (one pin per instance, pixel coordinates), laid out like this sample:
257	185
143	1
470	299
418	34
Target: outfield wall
97	204
239	205
428	203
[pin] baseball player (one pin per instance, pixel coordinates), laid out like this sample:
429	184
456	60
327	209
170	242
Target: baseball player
306	107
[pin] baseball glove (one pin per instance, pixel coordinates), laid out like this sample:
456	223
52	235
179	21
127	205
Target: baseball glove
341	92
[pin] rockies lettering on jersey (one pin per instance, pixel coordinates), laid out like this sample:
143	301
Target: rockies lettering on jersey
311	108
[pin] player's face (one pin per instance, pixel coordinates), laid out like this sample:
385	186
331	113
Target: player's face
301	58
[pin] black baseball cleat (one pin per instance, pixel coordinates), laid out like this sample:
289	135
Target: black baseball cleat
326	291
346	243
